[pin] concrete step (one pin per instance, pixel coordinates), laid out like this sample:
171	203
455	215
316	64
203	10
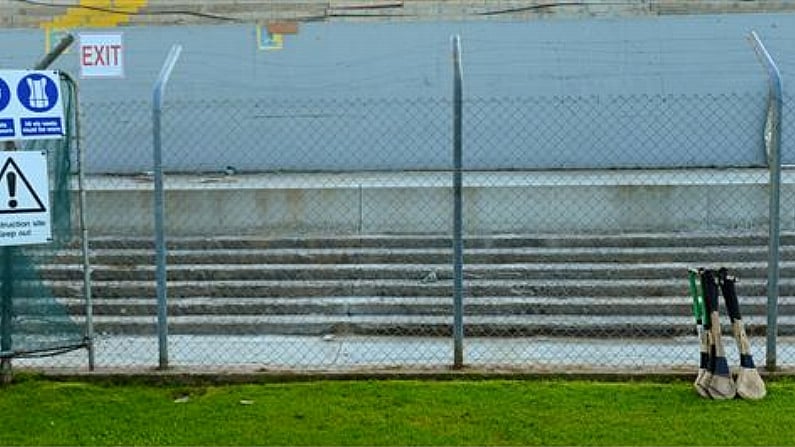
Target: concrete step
514	285
402	325
694	256
417	272
752	307
631	240
392	287
652	240
405	288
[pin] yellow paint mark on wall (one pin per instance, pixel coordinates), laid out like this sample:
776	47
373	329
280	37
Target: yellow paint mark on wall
90	14
270	36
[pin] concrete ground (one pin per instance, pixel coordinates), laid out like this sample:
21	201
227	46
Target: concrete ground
355	353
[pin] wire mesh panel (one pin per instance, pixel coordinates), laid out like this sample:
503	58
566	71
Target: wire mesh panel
614	131
339	264
309	199
604	203
316	233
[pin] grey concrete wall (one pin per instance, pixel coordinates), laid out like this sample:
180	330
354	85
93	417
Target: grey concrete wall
495	202
671	57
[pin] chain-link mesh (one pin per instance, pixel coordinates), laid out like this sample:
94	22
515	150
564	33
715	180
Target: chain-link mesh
316	233
618	197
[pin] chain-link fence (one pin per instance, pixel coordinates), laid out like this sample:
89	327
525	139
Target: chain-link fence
318	233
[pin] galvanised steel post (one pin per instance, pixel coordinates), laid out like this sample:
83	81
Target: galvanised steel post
458	243
159	204
6	313
773	149
81	180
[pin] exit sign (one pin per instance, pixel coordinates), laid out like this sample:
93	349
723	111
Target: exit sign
101	55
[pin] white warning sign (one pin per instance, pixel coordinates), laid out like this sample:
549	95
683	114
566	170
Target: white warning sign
24	198
101	55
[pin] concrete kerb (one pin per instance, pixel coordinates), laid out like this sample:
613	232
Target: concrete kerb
212	377
185	376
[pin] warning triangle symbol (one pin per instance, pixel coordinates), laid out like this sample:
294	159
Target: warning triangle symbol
16	194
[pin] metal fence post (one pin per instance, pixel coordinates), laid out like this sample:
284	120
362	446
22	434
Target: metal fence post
458	243
81	181
6	313
159	204
772	146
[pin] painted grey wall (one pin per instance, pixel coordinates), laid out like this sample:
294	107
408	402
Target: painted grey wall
646	92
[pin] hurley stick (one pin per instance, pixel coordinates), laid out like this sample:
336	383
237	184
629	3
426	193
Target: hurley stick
698	313
721	385
709	341
749	383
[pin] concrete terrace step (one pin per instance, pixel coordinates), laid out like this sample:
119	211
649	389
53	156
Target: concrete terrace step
630	240
320	288
752	307
652	240
514	285
410	288
401	325
418	272
695	256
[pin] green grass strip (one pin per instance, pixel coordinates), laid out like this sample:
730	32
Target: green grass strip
391	412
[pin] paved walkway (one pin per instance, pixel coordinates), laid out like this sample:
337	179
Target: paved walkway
341	353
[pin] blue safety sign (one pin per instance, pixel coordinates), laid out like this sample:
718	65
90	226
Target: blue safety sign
30	105
6	124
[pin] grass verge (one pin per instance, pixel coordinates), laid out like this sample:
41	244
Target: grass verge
391	412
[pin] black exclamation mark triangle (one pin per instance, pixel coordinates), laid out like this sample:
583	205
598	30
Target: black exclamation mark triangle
13	177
